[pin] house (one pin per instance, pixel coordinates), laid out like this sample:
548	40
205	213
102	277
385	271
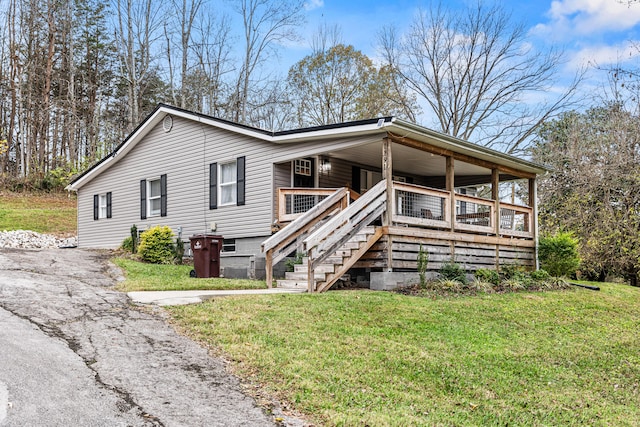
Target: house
361	197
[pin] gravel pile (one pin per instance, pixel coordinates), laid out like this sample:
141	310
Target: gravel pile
23	239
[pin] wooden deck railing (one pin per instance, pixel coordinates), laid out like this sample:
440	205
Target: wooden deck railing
291	237
294	202
419	206
474	214
516	220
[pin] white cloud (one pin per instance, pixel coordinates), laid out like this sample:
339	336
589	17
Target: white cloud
585	17
605	55
313	4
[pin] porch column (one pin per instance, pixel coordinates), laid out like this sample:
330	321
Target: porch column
495	195
533	203
387	173
450	184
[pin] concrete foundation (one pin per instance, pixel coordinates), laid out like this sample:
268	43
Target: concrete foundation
387	281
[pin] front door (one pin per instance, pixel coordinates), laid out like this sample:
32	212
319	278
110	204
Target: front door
304	172
304	175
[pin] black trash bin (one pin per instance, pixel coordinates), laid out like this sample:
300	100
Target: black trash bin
206	254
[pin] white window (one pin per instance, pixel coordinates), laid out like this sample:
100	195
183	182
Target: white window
154	190
303	167
102	206
228	245
228	184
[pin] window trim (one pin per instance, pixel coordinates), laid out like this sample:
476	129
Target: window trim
229	243
150	212
102	206
222	184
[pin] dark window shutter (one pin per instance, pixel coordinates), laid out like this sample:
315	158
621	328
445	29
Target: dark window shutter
143	199
163	195
213	186
96	206
240	183
109	204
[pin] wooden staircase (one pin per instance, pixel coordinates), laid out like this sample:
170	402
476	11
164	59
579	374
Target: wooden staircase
335	267
333	235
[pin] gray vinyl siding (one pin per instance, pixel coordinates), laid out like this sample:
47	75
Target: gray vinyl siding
338	176
281	178
184	154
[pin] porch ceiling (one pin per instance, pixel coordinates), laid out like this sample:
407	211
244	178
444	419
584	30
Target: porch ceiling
406	160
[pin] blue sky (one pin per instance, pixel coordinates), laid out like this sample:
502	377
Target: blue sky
591	32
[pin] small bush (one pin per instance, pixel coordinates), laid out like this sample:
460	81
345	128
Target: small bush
453	271
423	262
451	285
156	245
179	250
488	276
540	275
127	244
558	254
291	262
483	286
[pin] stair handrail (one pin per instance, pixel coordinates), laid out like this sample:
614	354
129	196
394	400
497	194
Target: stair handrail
298	227
342	226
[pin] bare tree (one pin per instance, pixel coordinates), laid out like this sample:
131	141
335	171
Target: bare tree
266	23
188	12
475	71
207	85
136	30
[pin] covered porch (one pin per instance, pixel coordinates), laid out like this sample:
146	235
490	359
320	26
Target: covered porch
470	209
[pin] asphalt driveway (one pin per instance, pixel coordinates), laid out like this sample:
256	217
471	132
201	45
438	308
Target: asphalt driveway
75	352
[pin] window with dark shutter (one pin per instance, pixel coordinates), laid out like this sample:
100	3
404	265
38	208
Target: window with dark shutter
213	186
96	207
241	180
109	204
163	195
143	199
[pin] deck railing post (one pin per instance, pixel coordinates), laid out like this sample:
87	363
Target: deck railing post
269	267
495	195
387	171
450	184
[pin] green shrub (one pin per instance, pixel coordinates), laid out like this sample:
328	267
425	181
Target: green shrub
179	250
540	275
558	254
453	271
134	239
423	262
512	271
487	276
127	244
156	245
291	262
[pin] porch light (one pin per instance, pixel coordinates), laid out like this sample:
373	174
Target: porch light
325	165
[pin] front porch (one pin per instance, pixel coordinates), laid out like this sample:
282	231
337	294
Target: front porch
384	228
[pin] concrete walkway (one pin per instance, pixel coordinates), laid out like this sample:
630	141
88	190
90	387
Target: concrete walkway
193	297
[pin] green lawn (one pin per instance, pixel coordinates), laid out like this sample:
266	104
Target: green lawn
44	213
383	359
153	277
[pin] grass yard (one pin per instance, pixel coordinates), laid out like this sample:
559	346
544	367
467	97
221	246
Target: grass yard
362	358
154	277
43	213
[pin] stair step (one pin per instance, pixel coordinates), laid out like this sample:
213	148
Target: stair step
291	284
322	268
351	245
292	275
